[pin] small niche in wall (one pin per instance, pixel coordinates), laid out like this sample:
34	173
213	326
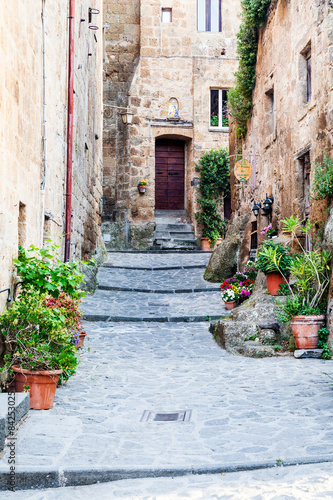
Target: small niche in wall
22	224
166	15
173	109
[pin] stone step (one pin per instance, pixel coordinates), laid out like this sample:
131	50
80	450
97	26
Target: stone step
188	228
19	402
175	243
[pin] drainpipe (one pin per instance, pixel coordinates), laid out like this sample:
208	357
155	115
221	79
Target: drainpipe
44	160
70	107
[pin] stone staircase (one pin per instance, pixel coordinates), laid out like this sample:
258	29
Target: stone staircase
173	230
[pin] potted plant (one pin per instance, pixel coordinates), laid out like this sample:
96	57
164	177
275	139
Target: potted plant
274	261
39	347
230	296
214	185
142	186
306	304
269	231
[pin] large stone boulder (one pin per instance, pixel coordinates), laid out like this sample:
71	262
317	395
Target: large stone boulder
253	329
224	260
90	271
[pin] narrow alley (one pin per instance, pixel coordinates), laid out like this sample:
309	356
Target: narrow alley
155	396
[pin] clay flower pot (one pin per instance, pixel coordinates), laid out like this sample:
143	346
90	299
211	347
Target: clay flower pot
80	343
305	330
274	280
42	385
206	244
230	305
142	189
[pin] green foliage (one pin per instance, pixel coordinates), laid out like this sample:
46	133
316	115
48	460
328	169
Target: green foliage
322	343
322	185
240	97
309	269
214	120
294	307
273	258
36	337
42	269
213	185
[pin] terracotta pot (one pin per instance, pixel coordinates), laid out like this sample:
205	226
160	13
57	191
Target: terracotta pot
230	305
80	343
206	244
42	385
142	189
274	280
305	330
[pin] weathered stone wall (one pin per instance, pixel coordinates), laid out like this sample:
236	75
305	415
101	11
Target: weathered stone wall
284	131
24	213
176	61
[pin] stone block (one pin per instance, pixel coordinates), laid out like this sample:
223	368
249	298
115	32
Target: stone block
21	405
308	353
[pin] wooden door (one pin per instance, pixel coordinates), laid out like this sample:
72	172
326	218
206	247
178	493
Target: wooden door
169	174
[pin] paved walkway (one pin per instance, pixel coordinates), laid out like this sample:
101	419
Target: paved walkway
243	413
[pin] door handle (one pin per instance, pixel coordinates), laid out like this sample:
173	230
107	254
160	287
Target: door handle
175	173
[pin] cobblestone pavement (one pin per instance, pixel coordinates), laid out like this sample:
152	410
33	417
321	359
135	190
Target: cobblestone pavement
176	280
157	260
245	412
122	293
305	482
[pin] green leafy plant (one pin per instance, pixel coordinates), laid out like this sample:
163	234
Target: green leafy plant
322	185
36	337
323	334
214	120
214	184
273	258
310	269
294	307
240	97
42	269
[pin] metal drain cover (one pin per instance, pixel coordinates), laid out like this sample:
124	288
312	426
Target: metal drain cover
166	416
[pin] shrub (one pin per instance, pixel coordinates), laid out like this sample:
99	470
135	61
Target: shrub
273	258
213	185
42	269
36	337
322	185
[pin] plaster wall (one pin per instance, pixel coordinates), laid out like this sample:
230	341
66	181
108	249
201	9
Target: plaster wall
26	216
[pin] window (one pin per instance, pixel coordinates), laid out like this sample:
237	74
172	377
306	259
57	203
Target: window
308	76
209	15
305	74
166	15
219	108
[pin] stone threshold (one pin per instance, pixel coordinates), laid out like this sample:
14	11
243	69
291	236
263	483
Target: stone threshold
165	268
169	250
151	319
41	477
144	290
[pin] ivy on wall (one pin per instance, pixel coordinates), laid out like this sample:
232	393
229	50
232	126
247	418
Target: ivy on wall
240	97
214	184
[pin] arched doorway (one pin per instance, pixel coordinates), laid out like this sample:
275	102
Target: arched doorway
169	174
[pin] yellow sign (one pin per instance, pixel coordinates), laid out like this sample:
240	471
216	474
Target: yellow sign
243	170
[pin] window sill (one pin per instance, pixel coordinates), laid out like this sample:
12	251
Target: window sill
219	129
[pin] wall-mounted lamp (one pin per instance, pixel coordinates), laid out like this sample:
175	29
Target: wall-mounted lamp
256	208
127	117
267	205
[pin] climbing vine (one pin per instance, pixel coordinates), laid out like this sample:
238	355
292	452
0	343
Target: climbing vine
214	184
240	97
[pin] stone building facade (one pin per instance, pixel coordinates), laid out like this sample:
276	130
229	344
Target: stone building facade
169	62
29	213
292	119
